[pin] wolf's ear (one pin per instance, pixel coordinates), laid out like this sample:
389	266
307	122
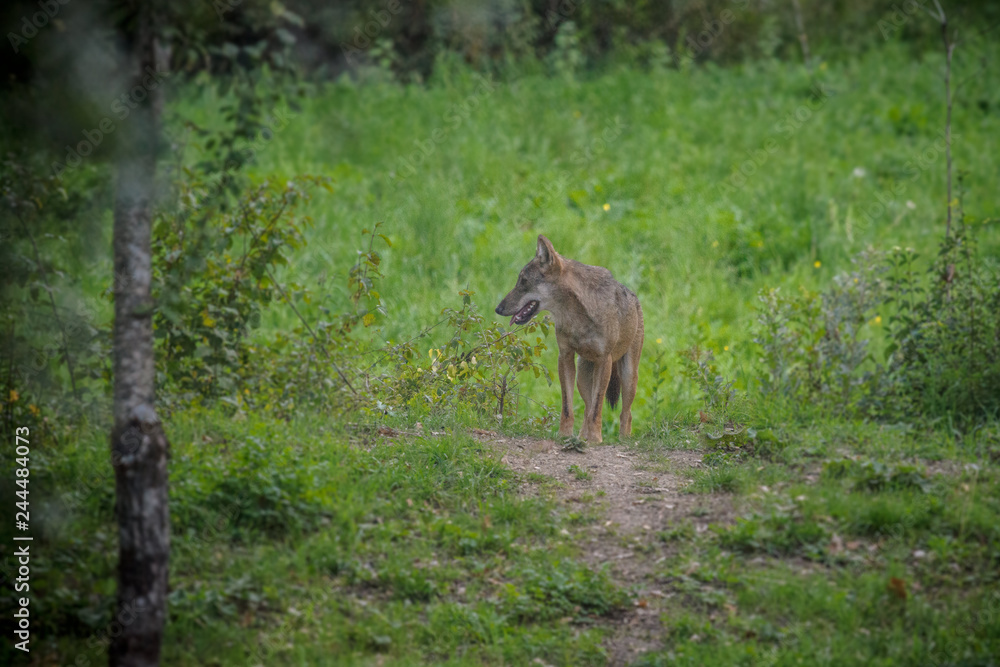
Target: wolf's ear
546	254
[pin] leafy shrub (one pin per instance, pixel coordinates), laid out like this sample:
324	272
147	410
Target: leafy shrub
816	345
214	274
561	590
942	324
878	476
225	599
698	366
477	368
944	358
209	306
780	532
260	493
52	346
717	478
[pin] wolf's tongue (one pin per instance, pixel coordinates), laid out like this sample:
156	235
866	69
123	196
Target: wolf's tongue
513	317
529	307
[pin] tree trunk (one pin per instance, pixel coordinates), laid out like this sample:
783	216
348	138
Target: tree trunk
138	443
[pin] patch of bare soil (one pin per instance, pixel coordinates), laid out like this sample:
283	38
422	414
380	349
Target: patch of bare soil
634	500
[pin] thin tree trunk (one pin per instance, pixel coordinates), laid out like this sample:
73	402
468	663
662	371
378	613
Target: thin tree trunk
138	443
800	25
949	47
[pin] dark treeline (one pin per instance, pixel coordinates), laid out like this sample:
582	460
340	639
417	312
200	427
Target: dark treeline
487	32
408	36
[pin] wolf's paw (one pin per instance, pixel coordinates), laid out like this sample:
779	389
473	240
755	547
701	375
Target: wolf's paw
591	436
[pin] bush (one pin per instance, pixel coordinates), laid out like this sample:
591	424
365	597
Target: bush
944	359
477	368
878	476
941	323
562	590
214	274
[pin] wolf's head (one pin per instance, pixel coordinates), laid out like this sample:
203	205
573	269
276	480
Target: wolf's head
535	286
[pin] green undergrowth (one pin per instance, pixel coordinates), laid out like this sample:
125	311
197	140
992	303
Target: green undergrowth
329	544
850	534
850	543
638	171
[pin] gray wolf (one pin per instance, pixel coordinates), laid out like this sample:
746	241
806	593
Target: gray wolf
598	319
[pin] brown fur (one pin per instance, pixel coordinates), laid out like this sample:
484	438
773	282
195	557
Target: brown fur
598	319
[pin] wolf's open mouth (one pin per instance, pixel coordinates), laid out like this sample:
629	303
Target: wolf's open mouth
525	314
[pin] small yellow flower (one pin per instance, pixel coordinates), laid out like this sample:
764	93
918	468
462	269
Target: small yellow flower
13	396
33	409
726	348
715	244
878	319
817	264
607	207
822	67
659	341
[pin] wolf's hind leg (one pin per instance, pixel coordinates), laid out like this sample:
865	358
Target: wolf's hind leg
598	376
567	374
629	378
628	369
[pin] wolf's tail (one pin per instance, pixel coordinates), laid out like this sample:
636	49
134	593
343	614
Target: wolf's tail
614	386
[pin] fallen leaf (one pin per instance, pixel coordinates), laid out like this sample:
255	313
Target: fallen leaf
897	587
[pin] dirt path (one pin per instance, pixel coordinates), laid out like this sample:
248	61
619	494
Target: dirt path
633	499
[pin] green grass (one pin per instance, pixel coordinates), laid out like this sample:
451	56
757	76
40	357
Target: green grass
421	550
807	573
517	165
318	541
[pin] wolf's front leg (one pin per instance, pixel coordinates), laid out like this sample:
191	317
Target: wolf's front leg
567	376
594	399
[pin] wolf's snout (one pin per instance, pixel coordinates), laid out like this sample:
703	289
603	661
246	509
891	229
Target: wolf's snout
497	309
